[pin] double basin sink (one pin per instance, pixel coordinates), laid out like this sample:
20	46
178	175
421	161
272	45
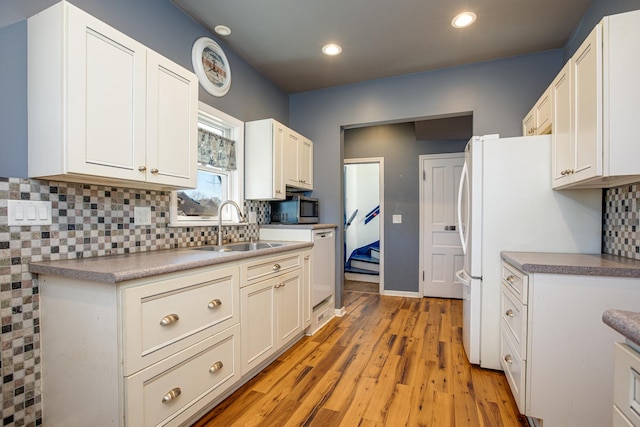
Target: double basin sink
240	247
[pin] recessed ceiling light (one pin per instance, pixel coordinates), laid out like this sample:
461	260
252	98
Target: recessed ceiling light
331	49
223	30
464	19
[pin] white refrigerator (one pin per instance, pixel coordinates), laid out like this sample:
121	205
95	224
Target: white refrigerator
505	203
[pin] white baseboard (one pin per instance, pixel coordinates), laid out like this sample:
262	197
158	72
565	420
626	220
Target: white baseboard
405	294
341	311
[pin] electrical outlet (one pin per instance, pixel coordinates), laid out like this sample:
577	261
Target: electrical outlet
253	218
142	215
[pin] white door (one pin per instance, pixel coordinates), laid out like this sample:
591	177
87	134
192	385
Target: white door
441	253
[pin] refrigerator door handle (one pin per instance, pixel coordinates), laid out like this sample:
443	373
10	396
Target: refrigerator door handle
463	277
464	177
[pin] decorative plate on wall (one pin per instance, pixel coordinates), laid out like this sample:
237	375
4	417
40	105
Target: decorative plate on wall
211	66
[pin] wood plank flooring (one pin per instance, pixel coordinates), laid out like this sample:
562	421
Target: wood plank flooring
389	361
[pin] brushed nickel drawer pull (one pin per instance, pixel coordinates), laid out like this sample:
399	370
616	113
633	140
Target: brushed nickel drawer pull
169	319
509	313
216	366
214	303
154	171
276	267
508	359
142	168
510	278
172	394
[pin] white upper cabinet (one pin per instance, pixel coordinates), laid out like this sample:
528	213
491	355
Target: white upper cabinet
538	120
264	160
104	108
276	157
595	108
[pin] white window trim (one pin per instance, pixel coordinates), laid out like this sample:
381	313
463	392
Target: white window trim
236	192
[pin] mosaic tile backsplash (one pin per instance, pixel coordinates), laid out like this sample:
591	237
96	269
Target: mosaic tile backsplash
622	221
88	221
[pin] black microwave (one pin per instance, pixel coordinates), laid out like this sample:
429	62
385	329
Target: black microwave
296	209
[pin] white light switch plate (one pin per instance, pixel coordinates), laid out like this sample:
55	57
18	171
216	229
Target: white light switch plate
142	215
397	219
29	212
253	217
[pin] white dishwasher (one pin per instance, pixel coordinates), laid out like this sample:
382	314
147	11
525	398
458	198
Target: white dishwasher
324	266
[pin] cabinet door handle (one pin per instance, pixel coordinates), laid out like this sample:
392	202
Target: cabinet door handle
509	313
216	366
508	359
276	267
214	303
154	171
172	394
142	168
307	258
169	319
510	278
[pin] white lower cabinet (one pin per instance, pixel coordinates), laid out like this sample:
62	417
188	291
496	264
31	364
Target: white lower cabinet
272	314
160	351
626	391
555	349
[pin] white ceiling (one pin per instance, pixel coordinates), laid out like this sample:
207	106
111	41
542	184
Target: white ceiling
380	38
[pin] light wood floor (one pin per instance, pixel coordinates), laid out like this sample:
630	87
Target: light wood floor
389	361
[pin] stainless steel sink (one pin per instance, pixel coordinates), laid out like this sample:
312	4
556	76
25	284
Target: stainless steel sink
240	247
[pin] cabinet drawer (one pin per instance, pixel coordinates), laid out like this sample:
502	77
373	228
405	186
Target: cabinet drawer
253	271
514	369
515	280
165	317
173	390
626	387
514	317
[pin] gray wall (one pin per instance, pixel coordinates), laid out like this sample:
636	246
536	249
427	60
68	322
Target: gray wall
498	93
397	144
157	24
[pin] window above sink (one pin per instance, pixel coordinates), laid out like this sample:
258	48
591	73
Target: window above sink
217	180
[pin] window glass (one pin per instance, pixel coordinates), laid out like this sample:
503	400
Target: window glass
199	206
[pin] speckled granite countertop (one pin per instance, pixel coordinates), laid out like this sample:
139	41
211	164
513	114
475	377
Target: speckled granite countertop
579	264
625	322
119	268
300	226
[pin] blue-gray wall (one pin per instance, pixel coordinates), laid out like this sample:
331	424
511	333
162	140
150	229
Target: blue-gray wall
498	93
398	145
157	24
594	14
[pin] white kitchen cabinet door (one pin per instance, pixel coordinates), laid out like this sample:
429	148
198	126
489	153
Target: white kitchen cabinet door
563	143
289	306
264	160
258	323
529	123
106	99
291	144
305	163
172	123
587	107
538	120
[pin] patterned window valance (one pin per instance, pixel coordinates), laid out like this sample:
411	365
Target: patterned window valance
215	150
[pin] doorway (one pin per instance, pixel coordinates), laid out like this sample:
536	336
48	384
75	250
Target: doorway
363	224
440	249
